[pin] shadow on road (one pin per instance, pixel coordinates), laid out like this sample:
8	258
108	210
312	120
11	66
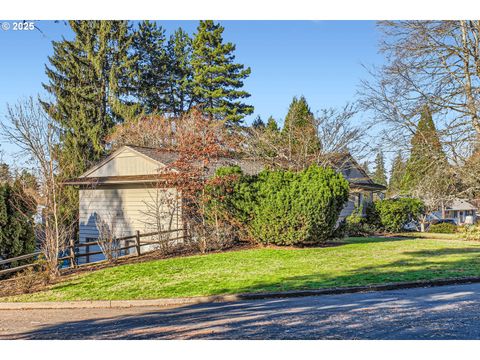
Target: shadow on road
412	314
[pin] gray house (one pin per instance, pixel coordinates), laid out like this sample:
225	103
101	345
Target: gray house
462	211
123	192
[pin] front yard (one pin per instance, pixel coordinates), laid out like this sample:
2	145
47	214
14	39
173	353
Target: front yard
359	261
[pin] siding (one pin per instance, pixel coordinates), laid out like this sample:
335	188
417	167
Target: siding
127	163
126	209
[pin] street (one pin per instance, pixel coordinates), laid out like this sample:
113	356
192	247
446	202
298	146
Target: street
448	312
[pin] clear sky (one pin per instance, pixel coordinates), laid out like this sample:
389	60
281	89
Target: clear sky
321	60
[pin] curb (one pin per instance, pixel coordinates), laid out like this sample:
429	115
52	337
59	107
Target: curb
103	304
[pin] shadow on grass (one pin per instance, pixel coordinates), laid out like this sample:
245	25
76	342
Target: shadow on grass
412	265
374	239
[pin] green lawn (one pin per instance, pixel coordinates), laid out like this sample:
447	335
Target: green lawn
360	261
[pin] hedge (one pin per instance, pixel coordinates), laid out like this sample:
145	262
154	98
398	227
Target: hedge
393	214
282	207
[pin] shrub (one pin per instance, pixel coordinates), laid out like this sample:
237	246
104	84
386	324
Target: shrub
17	208
393	214
471	232
357	225
443	228
229	204
282	207
298	207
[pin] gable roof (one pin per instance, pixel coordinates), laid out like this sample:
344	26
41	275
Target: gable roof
460	204
343	163
113	155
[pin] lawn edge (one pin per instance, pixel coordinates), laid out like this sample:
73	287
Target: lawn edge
170	302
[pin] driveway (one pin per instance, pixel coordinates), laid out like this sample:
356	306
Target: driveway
448	312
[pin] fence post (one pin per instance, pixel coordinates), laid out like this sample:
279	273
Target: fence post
72	253
137	242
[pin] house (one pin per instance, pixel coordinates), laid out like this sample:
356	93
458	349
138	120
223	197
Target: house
123	192
462	211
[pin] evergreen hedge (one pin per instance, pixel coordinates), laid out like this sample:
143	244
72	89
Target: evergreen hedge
392	214
282	207
443	228
17	236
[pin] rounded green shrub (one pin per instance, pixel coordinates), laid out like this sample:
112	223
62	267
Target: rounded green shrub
393	214
471	232
284	207
298	207
443	228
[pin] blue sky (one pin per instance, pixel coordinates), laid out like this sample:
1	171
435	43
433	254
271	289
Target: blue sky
321	60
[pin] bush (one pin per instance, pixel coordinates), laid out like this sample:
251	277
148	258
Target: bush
471	232
229	204
357	225
298	207
392	214
17	208
281	207
443	228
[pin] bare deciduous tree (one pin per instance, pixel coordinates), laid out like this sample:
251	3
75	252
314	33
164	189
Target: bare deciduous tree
35	135
196	145
333	130
435	63
108	236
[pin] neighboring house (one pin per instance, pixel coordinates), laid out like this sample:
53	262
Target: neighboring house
123	191
462	211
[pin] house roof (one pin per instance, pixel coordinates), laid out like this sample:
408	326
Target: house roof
460	204
344	163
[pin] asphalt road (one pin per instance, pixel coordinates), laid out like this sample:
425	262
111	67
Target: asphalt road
448	312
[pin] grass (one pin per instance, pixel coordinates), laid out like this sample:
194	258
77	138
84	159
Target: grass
429	235
360	261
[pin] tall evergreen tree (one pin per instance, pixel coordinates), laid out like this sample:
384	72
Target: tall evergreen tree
90	80
366	168
5	175
258	123
426	154
272	125
299	128
152	83
396	175
299	114
17	208
217	78
180	73
379	175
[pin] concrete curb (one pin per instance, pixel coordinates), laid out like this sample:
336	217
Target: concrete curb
102	304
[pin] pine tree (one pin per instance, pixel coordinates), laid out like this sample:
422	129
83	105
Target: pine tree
299	114
272	125
90	79
426	154
379	175
366	168
258	123
217	78
5	175
396	175
151	85
299	129
180	73
17	208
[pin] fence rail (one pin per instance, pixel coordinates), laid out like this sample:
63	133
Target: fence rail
73	250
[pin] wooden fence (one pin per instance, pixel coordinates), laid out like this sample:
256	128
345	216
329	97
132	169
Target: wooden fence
131	242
